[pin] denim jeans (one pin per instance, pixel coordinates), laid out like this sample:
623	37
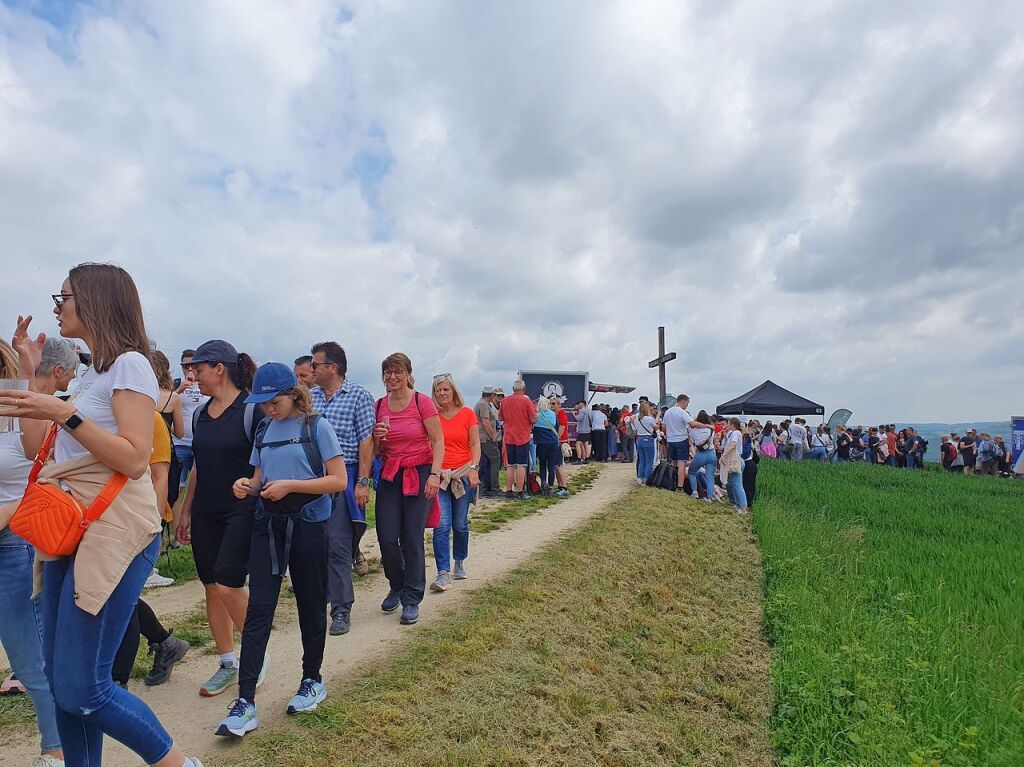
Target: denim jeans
818	454
21	632
186	459
645	457
533	456
734	487
707	460
79	650
454	522
796	452
547	458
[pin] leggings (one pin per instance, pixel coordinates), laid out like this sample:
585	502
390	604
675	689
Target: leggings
547	456
145	622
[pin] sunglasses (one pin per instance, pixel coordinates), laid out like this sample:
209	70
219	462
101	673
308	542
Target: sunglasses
443	377
314	365
60	298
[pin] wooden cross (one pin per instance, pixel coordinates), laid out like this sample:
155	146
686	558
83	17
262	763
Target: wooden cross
660	362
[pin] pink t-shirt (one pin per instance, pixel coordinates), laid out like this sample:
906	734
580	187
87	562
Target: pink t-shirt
407	435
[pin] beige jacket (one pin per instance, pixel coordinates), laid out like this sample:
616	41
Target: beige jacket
451	477
112	541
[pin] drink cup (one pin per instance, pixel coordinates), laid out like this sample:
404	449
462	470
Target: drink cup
10	425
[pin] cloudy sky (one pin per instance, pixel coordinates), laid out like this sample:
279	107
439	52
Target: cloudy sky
830	195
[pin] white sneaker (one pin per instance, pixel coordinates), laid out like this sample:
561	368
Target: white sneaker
155	580
45	760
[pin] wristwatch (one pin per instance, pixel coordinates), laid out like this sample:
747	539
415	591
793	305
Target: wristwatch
474	466
73	421
364	481
435	474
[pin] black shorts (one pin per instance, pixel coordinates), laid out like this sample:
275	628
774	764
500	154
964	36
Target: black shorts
584	437
220	547
518	455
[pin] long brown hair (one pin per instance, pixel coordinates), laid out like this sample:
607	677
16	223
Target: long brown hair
107	303
8	360
162	368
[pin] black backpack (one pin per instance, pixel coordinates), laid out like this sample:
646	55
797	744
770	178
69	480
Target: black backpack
665	476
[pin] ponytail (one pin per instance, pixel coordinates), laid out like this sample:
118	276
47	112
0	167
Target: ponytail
242	372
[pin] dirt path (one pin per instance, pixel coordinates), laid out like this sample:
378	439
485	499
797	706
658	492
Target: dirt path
192	719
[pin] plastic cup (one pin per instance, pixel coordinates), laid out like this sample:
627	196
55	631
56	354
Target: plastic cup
10	425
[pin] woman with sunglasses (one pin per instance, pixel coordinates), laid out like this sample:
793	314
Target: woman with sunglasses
459	480
88	599
409	441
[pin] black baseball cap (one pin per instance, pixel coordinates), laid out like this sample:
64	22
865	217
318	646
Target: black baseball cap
214	352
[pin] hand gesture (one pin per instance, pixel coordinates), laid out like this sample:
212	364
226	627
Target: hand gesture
276	490
30	351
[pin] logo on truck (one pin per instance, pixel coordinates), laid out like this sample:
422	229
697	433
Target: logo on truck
552	389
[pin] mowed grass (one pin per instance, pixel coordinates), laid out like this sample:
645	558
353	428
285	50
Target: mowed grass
894	599
635	641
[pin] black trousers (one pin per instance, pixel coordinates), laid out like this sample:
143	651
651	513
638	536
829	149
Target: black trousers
145	622
547	457
490	462
750	481
401	520
599	438
307	564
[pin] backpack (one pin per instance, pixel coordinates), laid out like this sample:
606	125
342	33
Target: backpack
664	476
247	418
533	478
307	439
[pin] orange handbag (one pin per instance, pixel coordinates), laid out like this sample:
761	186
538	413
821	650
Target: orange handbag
52	520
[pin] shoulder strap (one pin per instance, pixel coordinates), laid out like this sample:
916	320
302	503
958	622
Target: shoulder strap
261	432
195	416
166	402
247	419
309	443
44	453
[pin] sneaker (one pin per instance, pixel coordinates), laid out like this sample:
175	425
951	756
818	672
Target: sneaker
165	655
562	492
510	495
524	496
220	681
695	495
361	567
12	685
174	544
155	580
441	583
46	760
263	670
340	624
310	695
459	573
241	718
410	614
391	602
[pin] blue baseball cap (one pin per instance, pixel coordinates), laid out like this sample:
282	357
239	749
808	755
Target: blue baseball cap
214	352
270	380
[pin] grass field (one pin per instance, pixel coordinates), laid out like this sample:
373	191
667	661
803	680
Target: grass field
587	655
894	600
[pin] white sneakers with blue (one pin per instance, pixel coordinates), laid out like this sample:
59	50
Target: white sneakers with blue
241	718
310	695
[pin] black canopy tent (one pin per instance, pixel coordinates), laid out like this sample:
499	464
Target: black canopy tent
770	399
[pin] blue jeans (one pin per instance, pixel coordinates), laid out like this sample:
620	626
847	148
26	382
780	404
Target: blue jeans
818	454
21	632
79	651
734	487
645	457
455	521
533	456
186	459
707	460
796	452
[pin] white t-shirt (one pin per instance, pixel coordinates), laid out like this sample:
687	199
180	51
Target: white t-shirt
191	400
699	436
645	426
130	372
798	435
737	439
676	421
598	420
14	468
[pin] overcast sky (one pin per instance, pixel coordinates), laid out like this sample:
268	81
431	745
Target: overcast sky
830	195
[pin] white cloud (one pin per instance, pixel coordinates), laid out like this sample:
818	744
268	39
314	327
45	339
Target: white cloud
826	195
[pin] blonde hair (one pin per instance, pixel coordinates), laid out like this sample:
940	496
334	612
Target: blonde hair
457	399
644	410
8	360
398	360
301	397
543	403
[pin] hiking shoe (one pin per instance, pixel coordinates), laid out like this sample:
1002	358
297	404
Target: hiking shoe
241	718
340	624
310	695
361	567
525	496
46	760
562	492
459	573
220	681
263	670
155	580
391	602
165	655
510	495
12	685
441	583
410	614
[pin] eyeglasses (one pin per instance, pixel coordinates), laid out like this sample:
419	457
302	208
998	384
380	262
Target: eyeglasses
60	298
393	373
443	377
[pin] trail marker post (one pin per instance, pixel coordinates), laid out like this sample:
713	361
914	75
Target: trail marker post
660	362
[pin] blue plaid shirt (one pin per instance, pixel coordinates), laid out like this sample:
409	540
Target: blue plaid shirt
350	413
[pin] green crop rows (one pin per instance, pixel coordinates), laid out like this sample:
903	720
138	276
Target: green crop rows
894	601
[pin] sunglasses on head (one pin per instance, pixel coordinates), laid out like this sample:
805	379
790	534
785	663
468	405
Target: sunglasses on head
443	377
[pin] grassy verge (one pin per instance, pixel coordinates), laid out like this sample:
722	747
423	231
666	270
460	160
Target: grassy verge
494	518
636	641
894	601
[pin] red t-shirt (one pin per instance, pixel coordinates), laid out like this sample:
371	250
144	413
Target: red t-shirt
457	452
407	434
519	413
563	426
891	439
